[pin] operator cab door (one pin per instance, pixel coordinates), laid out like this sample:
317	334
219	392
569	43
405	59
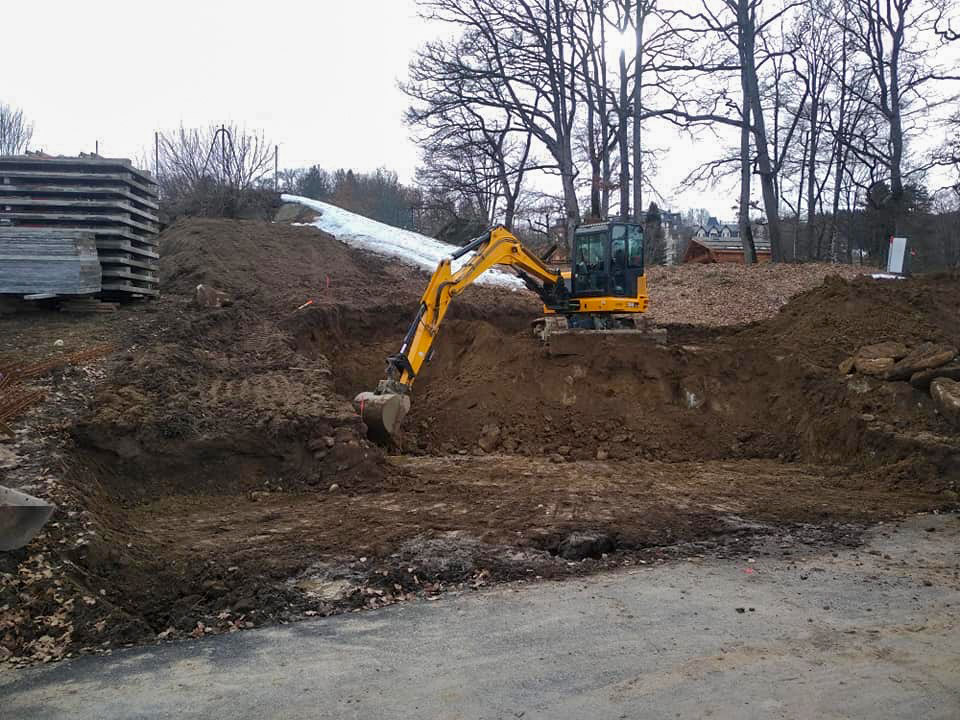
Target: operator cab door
607	260
590	265
626	259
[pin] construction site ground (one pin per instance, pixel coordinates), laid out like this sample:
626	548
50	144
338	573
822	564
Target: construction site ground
866	632
211	474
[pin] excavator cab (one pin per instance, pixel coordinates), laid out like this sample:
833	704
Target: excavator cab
607	260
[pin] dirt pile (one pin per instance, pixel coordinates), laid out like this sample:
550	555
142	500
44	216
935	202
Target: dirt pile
769	390
731	294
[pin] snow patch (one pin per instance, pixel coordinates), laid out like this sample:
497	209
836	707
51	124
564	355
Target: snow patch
377	237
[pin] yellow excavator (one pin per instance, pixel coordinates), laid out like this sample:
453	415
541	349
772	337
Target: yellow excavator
604	291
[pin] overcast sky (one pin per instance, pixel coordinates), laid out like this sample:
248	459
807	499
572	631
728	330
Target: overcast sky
319	77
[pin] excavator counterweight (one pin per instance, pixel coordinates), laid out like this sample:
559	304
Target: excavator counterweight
604	291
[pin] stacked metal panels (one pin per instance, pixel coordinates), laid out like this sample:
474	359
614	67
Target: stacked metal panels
106	197
45	262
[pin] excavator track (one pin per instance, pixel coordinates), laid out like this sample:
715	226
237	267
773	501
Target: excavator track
559	338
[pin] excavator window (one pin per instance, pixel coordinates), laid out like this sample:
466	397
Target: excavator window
590	264
607	260
636	246
618	259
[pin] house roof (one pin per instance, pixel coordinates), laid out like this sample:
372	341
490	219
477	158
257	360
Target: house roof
762	244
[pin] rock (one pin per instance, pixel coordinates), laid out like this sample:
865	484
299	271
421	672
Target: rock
244	605
557	458
946	394
207	297
564	450
859	385
343	434
602	454
580	545
923	378
334	487
58	343
893	350
329	441
846	367
877	367
213	588
489	438
924	357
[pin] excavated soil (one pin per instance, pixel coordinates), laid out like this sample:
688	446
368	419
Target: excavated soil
212	474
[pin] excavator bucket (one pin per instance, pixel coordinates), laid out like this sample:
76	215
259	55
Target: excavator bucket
383	414
21	517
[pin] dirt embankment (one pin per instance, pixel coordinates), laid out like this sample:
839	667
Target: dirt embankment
731	294
226	482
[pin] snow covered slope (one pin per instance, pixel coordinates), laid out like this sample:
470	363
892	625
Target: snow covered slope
410	247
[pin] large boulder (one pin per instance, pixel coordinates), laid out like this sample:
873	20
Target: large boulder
878	367
893	350
923	378
946	394
924	357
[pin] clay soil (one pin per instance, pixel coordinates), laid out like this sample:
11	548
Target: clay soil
213	476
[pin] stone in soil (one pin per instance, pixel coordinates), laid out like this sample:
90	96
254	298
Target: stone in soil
582	545
877	367
946	394
924	357
923	378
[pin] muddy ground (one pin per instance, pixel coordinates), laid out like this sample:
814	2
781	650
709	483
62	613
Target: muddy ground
212	475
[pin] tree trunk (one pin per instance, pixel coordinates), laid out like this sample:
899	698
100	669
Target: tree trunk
764	164
571	206
743	217
624	145
812	167
637	114
796	225
592	143
604	125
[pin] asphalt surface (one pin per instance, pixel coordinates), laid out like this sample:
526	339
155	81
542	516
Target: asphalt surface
867	633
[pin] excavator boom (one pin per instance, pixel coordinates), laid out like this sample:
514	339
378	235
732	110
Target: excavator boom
384	409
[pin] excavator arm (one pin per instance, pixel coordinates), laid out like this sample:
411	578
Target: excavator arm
384	409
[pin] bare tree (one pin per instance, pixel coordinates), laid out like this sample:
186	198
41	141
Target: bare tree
523	59
16	131
896	39
467	141
739	23
213	170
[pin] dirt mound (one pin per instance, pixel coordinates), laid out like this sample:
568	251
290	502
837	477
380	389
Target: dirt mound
732	294
830	322
768	390
254	382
